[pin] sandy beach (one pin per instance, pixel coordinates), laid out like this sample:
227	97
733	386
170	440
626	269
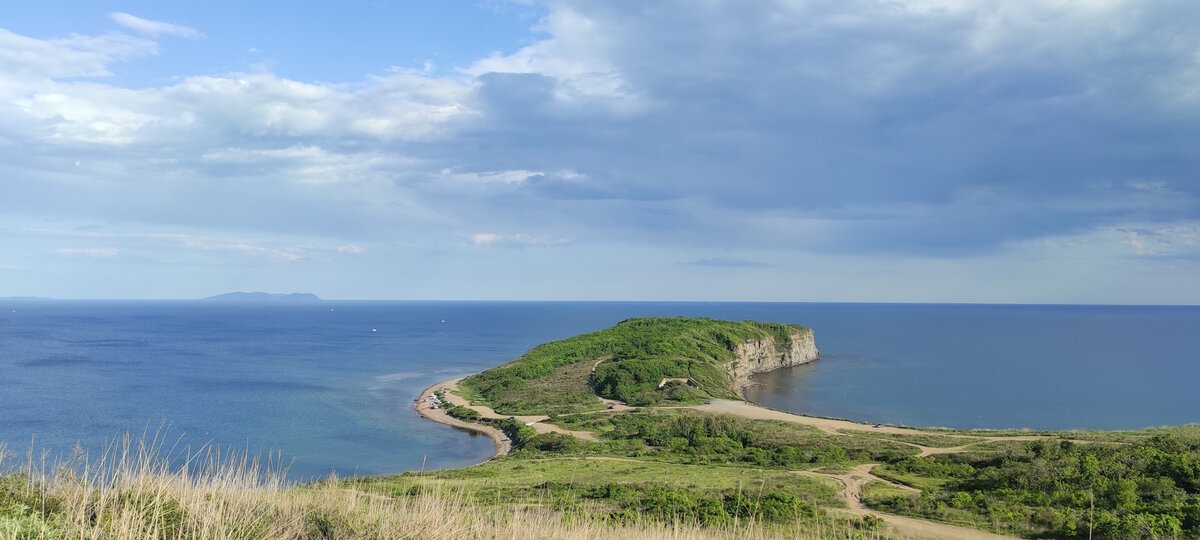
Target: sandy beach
537	422
423	407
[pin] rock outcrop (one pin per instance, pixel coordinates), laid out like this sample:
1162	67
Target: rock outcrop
763	355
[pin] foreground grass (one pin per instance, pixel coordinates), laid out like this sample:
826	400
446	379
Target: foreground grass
134	492
619	490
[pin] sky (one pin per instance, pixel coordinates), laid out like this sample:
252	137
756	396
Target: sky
1026	151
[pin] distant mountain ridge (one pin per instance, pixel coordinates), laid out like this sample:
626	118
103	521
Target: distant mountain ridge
262	296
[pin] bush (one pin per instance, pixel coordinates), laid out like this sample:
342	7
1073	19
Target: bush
463	413
554	442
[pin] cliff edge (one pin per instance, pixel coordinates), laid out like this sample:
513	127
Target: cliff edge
641	362
767	354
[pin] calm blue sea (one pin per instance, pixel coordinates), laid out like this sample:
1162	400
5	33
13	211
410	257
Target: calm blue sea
330	384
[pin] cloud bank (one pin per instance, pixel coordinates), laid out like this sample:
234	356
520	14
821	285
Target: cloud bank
934	135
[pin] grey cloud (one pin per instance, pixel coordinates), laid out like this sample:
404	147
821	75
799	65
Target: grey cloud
828	126
851	104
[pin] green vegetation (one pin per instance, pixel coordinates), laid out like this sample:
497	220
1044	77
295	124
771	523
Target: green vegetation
1148	488
702	494
629	361
1026	483
132	492
688	436
933	439
463	413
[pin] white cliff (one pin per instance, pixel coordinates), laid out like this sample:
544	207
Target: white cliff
762	355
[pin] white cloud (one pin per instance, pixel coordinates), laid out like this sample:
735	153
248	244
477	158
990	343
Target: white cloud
218	109
101	253
154	28
1181	239
511	240
485	239
309	164
577	56
511	177
99	116
29	59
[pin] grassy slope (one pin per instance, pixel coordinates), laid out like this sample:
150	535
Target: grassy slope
1123	485
132	492
637	354
141	498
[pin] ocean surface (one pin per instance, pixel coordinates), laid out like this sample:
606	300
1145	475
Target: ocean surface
329	385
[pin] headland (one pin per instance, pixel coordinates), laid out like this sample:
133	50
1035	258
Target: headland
649	396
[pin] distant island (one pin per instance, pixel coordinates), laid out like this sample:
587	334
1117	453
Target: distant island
264	297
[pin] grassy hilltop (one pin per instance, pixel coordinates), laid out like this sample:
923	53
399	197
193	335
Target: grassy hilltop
625	362
674	467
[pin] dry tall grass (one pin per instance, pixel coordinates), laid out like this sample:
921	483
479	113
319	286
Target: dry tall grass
132	491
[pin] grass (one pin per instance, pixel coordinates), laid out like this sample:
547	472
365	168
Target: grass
933	440
576	479
873	491
139	490
919	481
689	436
638	354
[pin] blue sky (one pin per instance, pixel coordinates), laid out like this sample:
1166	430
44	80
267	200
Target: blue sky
818	150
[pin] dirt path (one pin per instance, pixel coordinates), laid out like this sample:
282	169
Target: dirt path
828	425
930	451
831	426
610	404
537	422
852	483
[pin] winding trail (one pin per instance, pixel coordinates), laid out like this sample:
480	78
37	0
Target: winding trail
851	482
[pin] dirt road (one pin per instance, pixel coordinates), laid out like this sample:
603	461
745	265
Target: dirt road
537	422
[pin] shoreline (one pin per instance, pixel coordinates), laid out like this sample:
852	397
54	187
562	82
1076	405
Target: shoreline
502	445
499	438
743	408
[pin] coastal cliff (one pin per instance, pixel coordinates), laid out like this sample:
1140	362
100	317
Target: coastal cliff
636	361
766	354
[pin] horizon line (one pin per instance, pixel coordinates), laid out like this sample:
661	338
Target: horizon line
569	300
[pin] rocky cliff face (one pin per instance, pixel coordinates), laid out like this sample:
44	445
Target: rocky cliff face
764	355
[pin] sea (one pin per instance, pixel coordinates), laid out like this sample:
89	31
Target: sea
328	386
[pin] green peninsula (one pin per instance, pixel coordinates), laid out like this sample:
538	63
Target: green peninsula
639	361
